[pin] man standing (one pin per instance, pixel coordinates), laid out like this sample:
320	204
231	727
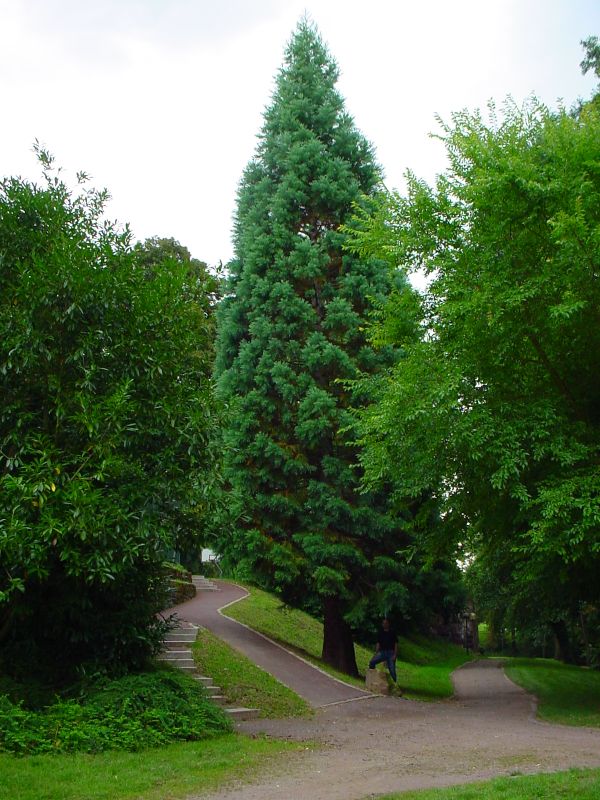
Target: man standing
387	648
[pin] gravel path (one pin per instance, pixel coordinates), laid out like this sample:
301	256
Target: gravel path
383	744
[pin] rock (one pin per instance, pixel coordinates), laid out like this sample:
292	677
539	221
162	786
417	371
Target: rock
377	682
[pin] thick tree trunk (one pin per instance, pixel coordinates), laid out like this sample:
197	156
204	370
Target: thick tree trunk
338	647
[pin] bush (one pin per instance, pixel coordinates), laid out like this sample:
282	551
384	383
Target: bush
105	426
132	713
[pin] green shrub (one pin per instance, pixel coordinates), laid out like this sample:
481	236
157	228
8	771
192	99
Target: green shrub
106	424
132	713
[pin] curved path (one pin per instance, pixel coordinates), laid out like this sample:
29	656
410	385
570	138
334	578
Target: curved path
390	744
316	687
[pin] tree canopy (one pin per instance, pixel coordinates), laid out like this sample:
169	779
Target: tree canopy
104	429
496	408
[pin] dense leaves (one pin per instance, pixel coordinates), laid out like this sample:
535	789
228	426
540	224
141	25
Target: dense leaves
104	428
291	330
132	713
495	410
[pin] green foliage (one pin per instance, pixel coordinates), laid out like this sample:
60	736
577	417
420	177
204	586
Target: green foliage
132	713
105	424
495	409
567	694
574	784
242	682
175	770
591	60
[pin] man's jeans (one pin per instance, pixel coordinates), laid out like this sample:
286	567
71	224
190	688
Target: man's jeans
388	657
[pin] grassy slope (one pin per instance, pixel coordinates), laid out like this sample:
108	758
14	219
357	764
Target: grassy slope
423	666
242	682
167	772
567	694
572	785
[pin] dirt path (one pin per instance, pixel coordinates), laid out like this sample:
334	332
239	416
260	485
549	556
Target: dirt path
378	745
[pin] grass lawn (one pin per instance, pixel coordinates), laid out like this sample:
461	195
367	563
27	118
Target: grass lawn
571	785
567	694
424	665
242	682
162	773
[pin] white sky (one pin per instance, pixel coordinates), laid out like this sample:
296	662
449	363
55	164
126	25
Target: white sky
161	100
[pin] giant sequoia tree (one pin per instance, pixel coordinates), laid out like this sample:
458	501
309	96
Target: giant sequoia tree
291	334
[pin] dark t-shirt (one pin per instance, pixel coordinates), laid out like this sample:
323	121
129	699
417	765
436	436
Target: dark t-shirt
386	639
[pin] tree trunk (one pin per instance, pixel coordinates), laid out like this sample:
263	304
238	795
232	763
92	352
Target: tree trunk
338	647
562	643
6	620
585	637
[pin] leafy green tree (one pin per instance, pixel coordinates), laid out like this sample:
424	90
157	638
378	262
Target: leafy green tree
105	427
204	284
495	410
291	335
591	60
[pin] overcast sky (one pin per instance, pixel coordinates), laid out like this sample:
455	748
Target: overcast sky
161	100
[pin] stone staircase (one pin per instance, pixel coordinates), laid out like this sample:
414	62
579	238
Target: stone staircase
203	584
178	652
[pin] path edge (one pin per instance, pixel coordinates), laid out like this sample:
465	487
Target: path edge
365	694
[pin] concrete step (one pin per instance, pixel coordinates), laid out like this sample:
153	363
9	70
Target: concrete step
178	645
184	667
175	655
180	663
179	656
202	583
219	699
240	713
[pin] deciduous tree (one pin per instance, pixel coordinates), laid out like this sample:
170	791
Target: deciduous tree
105	423
496	408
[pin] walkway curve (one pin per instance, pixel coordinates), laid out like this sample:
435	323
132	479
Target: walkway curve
391	744
315	686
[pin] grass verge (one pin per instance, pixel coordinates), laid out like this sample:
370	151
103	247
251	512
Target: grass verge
242	682
424	665
172	771
571	785
567	694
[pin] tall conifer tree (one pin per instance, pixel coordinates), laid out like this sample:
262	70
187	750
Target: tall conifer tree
291	332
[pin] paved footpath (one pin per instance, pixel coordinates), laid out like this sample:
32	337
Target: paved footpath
386	744
315	686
